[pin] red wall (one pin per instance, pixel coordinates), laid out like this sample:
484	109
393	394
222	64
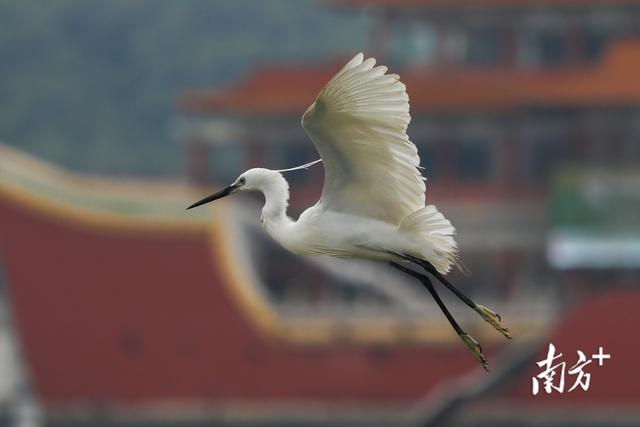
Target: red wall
126	316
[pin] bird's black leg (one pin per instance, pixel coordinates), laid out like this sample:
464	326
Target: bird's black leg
488	315
468	340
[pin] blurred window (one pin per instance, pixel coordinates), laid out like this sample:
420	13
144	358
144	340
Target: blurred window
226	161
595	43
544	47
482	47
413	44
547	153
483	277
473	159
428	157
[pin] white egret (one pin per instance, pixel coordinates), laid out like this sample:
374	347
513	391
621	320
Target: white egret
373	200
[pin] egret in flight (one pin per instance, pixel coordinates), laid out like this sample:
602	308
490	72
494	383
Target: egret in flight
373	199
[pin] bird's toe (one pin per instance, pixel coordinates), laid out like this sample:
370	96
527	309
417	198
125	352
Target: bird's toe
493	319
475	349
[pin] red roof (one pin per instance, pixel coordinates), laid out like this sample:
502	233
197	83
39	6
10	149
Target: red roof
115	311
587	327
290	90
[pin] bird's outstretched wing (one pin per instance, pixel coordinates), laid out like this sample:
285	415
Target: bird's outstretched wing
358	124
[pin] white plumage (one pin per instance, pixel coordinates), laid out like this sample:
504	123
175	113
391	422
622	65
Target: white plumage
373	200
358	124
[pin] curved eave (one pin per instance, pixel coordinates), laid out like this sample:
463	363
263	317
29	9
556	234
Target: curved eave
140	211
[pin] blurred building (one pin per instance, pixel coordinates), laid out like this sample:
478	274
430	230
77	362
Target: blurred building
505	96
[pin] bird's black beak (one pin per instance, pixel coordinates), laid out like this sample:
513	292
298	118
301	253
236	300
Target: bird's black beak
219	195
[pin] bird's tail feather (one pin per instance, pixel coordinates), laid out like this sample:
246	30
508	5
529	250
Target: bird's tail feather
430	224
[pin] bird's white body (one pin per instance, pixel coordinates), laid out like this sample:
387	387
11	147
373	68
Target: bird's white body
373	200
323	231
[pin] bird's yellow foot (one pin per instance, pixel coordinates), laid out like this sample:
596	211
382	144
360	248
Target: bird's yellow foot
475	348
493	319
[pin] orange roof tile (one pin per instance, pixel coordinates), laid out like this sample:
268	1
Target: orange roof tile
290	90
278	90
614	82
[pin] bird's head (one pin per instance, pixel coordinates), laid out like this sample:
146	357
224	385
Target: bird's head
257	179
252	180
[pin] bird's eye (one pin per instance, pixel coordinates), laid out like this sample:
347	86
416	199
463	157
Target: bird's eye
242	181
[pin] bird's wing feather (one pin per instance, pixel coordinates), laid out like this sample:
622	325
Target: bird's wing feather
358	124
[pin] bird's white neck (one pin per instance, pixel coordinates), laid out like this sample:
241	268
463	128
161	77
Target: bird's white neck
274	212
